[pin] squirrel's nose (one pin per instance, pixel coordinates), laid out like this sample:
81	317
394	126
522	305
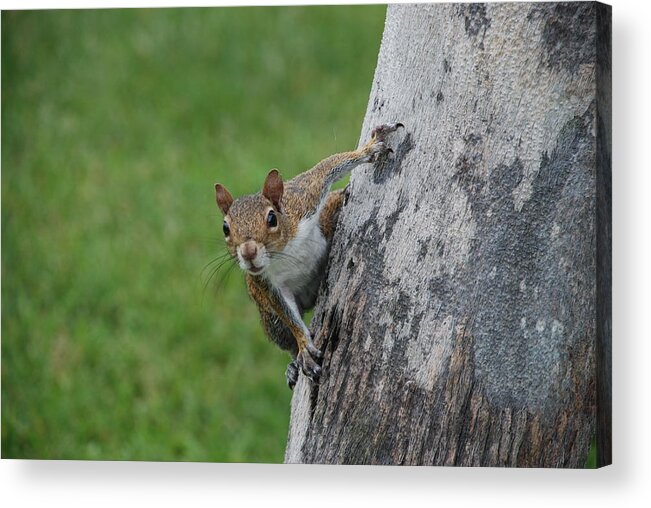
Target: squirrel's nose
249	250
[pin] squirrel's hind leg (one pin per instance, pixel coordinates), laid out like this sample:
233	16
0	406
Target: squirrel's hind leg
330	213
291	373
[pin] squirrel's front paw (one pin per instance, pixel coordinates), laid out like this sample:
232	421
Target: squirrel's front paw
377	147
382	131
306	360
377	150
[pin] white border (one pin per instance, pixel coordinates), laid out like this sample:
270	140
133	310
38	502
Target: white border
99	484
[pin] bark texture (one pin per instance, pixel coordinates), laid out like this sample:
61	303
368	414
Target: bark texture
459	315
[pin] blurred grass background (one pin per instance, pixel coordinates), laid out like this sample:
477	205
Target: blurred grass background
115	125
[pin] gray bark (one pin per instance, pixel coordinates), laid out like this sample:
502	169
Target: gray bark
460	312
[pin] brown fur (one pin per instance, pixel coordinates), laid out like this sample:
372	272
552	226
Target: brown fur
259	292
330	213
301	196
291	202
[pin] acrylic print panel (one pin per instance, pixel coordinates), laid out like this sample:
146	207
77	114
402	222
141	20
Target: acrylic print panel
463	315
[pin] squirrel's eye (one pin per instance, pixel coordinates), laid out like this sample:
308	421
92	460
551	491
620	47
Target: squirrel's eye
227	230
272	221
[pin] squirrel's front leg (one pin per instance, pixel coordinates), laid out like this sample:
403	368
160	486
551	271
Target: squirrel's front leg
273	301
315	183
284	304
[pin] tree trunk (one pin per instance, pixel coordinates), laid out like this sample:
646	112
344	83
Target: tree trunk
460	312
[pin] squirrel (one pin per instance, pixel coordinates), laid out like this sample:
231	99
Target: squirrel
281	238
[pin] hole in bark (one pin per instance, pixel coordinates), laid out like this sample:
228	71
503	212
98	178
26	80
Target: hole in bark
346	194
314	396
334	330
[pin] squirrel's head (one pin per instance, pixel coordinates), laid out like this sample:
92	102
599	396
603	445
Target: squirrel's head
255	226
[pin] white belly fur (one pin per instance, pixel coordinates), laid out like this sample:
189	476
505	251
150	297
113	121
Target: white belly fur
296	272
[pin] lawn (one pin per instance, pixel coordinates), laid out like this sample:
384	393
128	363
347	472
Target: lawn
115	125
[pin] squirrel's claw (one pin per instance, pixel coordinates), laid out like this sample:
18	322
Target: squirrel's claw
309	367
381	131
313	350
377	148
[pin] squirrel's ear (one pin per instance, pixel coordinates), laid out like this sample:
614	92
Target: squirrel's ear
224	198
273	188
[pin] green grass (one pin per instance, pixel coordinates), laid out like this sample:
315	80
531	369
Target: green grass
591	461
115	125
